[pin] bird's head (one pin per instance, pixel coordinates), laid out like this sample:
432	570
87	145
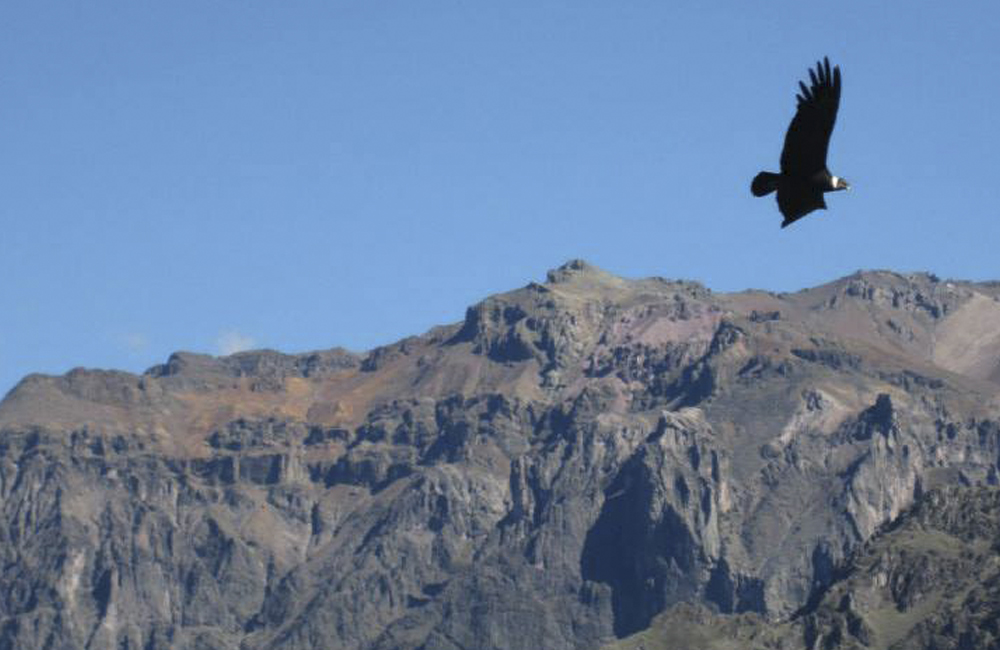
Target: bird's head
838	183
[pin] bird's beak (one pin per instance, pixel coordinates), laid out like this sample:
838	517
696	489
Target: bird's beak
845	185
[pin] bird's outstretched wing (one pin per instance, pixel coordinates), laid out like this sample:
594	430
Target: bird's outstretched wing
809	133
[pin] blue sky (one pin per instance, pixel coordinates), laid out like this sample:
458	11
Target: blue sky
214	175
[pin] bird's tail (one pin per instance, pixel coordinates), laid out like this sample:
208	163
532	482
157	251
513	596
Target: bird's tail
764	183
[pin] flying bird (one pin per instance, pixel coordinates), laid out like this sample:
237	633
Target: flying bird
804	177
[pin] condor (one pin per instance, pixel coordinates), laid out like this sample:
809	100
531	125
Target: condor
804	177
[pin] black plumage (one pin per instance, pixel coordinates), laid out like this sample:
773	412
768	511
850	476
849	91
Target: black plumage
804	177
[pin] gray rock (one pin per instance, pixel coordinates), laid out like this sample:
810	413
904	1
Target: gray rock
575	460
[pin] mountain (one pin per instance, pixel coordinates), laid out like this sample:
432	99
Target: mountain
576	461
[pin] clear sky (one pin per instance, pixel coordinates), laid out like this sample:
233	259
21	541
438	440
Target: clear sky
214	175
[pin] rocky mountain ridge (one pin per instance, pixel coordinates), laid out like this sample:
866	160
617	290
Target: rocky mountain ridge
572	460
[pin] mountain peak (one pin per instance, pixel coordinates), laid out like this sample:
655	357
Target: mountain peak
579	270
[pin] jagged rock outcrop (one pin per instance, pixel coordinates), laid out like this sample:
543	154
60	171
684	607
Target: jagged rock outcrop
571	461
930	579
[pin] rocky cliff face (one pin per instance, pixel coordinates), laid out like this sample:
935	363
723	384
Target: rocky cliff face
930	579
574	459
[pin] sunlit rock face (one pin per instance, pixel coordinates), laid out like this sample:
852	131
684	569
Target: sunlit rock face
572	460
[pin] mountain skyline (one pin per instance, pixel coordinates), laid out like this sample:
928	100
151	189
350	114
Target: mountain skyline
562	468
233	343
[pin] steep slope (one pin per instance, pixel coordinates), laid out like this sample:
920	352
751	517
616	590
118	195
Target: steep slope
930	580
571	460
